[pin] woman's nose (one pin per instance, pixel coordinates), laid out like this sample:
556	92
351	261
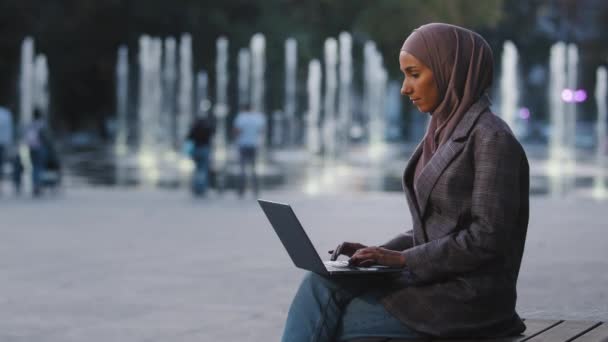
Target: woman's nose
406	89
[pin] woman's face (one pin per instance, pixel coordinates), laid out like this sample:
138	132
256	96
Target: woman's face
419	84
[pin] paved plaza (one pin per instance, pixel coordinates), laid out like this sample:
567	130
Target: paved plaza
102	265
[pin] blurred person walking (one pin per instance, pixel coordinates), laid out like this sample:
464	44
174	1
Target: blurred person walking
17	169
199	138
6	138
249	128
36	139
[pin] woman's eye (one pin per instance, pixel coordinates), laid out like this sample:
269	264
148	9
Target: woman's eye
415	75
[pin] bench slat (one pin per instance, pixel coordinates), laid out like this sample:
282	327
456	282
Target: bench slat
564	331
386	339
597	334
537	330
533	328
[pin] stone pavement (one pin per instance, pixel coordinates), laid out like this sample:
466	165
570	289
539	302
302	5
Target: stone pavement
150	265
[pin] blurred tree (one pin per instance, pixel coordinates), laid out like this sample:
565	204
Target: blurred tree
389	22
81	37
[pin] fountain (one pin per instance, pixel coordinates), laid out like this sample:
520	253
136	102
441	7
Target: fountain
142	104
244	73
164	112
26	82
330	129
122	93
329	104
167	143
601	90
571	115
509	92
369	50
557	138
562	140
344	103
169	92
143	109
149	111
121	147
258	68
41	93
258	87
291	68
312	121
184	95
376	82
313	86
220	148
377	119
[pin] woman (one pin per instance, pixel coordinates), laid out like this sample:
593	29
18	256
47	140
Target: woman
467	186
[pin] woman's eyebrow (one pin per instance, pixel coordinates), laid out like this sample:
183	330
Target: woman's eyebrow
410	68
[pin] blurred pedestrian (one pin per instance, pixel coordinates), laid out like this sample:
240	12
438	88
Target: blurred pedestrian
35	139
52	163
249	128
199	138
16	169
6	138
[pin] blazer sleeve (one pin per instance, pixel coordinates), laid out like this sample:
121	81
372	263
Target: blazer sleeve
495	210
400	242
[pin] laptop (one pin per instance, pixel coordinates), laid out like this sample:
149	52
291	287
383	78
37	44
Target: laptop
301	250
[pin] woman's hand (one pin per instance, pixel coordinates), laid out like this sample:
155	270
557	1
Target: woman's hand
346	248
368	256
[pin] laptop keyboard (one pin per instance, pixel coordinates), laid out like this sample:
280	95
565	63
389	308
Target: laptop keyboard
342	265
339	265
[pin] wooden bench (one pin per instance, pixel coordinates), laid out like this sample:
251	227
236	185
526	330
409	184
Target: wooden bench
537	331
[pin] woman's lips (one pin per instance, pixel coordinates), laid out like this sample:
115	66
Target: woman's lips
415	100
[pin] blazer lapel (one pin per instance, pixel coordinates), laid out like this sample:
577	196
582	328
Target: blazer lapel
445	154
408	187
432	170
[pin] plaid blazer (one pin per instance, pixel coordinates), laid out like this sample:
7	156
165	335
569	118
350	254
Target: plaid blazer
470	208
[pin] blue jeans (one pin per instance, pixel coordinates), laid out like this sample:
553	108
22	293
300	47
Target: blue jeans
328	310
200	179
2	149
38	159
17	173
247	159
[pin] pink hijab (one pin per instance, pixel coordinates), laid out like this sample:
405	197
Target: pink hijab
463	68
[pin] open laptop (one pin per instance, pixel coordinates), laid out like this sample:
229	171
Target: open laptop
300	249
